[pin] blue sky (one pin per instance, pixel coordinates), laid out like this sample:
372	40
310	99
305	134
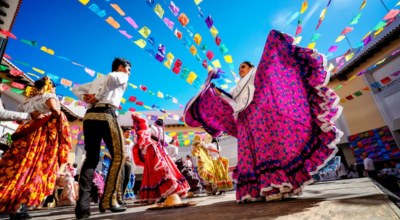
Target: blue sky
72	30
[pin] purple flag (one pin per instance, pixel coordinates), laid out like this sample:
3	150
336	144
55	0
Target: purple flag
209	21
173	8
367	40
333	49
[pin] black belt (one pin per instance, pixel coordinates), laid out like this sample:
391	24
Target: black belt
103	105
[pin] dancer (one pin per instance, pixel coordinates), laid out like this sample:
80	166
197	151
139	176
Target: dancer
285	128
128	178
28	170
161	178
103	95
211	168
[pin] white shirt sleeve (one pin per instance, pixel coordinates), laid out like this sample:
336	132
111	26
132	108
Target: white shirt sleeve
80	90
6	115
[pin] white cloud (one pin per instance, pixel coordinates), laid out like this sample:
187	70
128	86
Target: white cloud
280	21
311	12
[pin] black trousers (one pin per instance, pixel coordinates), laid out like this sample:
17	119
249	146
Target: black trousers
101	124
125	176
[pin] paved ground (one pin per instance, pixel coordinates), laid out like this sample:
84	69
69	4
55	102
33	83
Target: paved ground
345	199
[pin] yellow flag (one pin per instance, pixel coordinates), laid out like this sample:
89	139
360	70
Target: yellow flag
297	39
160	94
378	31
197	2
118	9
228	80
311	45
304	6
192	76
364	3
209	68
148	107
323	13
159	11
348	57
187	142
216	64
343	100
331	66
197	39
133	85
193	50
398	3
47	50
213	31
38	70
168	63
353	77
84	2
123	100
228	58
380	61
224	86
113	22
141	43
365	36
145	31
170	56
340	38
99	75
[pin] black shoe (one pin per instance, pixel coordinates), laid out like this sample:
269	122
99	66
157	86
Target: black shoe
161	200
20	216
81	214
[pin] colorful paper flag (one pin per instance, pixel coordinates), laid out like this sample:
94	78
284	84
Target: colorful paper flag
111	21
145	31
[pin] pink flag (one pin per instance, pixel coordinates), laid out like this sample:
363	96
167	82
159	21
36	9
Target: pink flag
347	30
333	49
17	85
131	22
391	14
299	29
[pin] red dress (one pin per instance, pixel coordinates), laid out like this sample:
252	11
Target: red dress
160	175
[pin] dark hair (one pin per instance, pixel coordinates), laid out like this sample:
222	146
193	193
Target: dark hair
126	128
40	83
215	140
119	61
248	63
159	122
75	165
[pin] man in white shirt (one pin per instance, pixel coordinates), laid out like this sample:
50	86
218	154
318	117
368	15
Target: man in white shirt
127	166
369	167
100	122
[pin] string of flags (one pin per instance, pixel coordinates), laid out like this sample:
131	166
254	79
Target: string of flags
218	41
144	32
377	29
377	64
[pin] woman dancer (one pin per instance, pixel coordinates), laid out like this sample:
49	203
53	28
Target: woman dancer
284	120
28	171
161	178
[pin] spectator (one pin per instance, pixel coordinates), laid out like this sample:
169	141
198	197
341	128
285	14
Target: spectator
369	168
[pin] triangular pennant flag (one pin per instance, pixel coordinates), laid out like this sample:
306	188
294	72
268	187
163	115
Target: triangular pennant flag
311	45
216	64
47	50
355	19
363	4
228	58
